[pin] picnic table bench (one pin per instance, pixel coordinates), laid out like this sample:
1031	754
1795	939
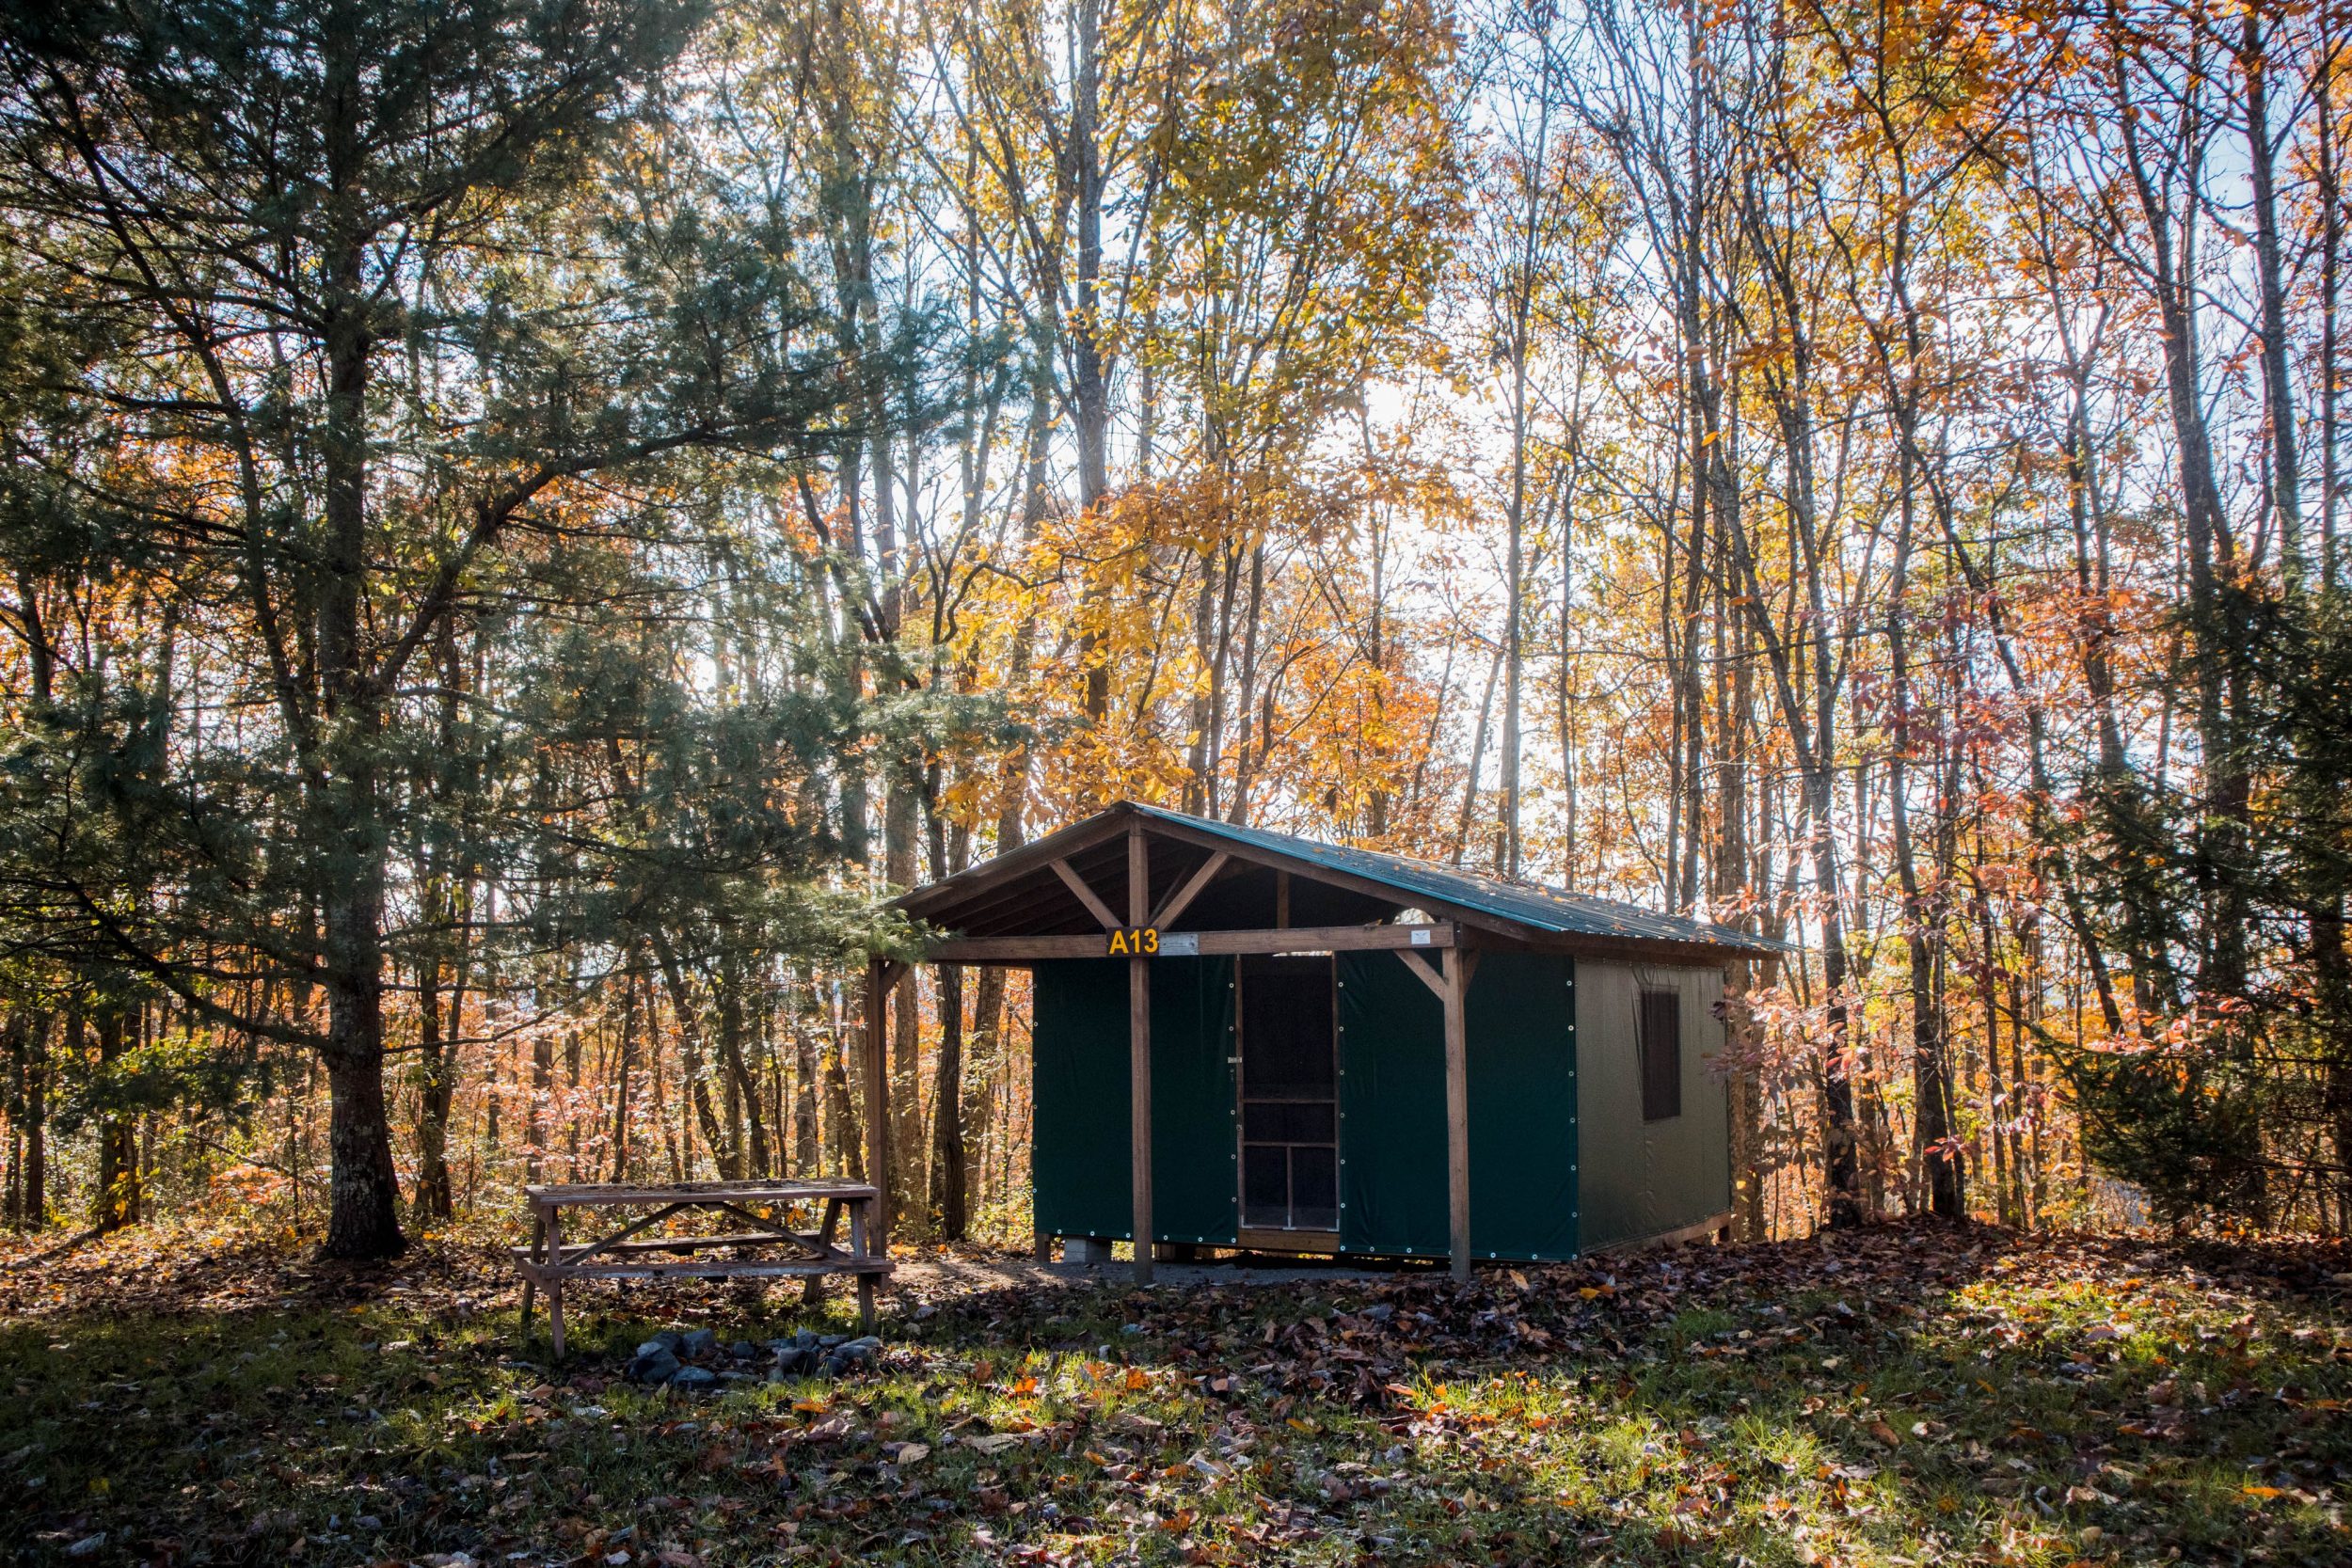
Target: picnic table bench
630	1252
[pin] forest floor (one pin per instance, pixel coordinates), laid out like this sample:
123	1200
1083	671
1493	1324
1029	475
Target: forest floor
1907	1395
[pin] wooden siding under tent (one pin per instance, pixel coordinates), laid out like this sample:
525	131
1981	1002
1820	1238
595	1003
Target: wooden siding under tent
1351	1052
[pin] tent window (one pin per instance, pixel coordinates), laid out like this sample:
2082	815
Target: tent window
1661	1054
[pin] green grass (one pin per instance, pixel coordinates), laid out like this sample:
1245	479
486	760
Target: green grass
1937	1399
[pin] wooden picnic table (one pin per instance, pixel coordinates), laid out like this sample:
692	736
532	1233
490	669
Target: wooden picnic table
630	1252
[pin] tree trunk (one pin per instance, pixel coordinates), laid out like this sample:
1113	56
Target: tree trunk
2286	489
2329	194
1930	1076
841	1124
117	1203
744	1111
910	1210
33	1194
542	1092
437	1083
951	1199
949	1194
807	1152
693	1058
629	1018
1089	376
363	1219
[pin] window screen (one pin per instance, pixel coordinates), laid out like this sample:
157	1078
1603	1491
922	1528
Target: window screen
1661	1054
1290	1125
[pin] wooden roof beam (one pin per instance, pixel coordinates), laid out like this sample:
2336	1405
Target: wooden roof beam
1087	896
1295	939
1180	901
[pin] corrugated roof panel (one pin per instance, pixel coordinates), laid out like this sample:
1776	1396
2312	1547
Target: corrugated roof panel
1547	909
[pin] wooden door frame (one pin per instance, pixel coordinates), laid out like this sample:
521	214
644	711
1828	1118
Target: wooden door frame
1277	1238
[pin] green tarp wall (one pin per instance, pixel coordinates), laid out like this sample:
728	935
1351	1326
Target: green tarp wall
1393	1198
1520	1033
1520	1039
1079	1152
1521	1015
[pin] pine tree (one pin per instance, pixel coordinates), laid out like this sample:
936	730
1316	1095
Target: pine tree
388	280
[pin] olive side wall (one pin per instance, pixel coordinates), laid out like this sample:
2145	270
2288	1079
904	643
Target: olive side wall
1641	1179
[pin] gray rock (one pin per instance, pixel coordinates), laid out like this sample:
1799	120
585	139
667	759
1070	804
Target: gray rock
659	1366
695	1377
655	1347
742	1350
858	1350
1381	1313
793	1360
830	1340
698	1341
669	1339
806	1339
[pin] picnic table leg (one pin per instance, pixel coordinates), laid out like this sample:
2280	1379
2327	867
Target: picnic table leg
813	1288
555	1280
861	1237
538	1235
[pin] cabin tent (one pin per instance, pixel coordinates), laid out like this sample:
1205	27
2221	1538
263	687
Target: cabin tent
1347	1052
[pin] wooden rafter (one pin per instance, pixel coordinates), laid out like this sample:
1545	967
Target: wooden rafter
1087	896
1172	908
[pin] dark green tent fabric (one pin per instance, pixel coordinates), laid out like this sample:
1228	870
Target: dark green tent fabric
1195	1155
1080	1156
1520	1027
1392	1197
1520	1013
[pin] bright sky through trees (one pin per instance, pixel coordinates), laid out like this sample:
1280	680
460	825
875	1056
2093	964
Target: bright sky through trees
526	518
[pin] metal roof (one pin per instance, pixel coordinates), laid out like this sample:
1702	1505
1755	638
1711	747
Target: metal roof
1007	891
1547	909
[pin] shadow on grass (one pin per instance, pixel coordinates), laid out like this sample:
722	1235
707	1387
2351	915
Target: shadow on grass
1970	1399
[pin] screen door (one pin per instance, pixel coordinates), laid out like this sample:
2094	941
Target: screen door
1290	1113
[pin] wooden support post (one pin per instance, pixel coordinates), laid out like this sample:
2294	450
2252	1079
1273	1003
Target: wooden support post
879	978
1139	1053
1457	1112
1282	900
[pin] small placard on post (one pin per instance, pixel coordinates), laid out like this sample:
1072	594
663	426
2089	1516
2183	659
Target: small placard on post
1135	942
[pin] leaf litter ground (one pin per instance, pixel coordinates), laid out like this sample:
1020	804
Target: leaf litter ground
1907	1395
